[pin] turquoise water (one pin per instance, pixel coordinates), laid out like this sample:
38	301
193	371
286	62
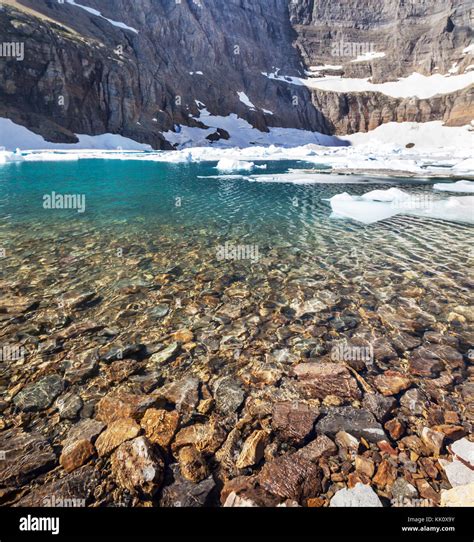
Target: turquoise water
138	201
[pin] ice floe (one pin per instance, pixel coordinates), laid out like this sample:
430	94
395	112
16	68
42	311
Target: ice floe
227	164
383	204
460	186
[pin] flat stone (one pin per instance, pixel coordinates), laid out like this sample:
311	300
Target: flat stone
184	393
380	406
69	406
391	383
294	420
160	426
291	477
192	464
87	429
79	299
317	380
321	446
386	475
347	442
235	501
463	449
183	493
39	395
360	496
357	422
461	496
137	467
166	354
159	311
123	404
457	473
116	433
228	395
76	454
26	455
252	450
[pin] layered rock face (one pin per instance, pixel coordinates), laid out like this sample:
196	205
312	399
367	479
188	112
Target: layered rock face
140	69
397	39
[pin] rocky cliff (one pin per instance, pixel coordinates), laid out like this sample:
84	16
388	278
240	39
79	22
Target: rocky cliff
141	68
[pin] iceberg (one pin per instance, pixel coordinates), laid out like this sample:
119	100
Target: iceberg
229	164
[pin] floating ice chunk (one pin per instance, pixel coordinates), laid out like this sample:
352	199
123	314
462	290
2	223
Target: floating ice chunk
454	209
229	164
392	194
366	212
460	186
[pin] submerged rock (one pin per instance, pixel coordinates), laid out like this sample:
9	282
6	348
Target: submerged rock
318	380
76	454
357	422
294	420
160	426
26	455
165	355
228	395
117	432
39	395
137	467
253	450
183	493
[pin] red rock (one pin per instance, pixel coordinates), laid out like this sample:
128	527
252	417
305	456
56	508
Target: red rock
291	477
395	427
365	466
386	475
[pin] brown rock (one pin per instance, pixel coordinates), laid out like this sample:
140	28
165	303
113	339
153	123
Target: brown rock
116	433
291	477
322	446
121	404
433	440
137	467
427	492
385	448
183	393
347	442
414	444
294	420
364	465
192	464
183	336
430	359
76	454
317	380
87	429
25	455
160	426
452	432
253	450
395	427
386	475
206	437
391	383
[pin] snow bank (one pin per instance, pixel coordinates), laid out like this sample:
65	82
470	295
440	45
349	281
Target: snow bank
227	164
245	100
460	186
97	13
415	85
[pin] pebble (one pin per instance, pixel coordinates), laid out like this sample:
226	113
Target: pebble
360	496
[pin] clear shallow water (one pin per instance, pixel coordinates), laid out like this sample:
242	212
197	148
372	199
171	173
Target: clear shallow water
131	209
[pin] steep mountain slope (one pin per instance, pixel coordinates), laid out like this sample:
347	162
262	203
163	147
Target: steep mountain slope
140	68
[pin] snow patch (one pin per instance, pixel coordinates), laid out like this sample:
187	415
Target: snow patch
368	56
97	13
460	186
245	100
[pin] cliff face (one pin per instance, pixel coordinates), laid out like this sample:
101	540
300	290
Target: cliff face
85	75
139	67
